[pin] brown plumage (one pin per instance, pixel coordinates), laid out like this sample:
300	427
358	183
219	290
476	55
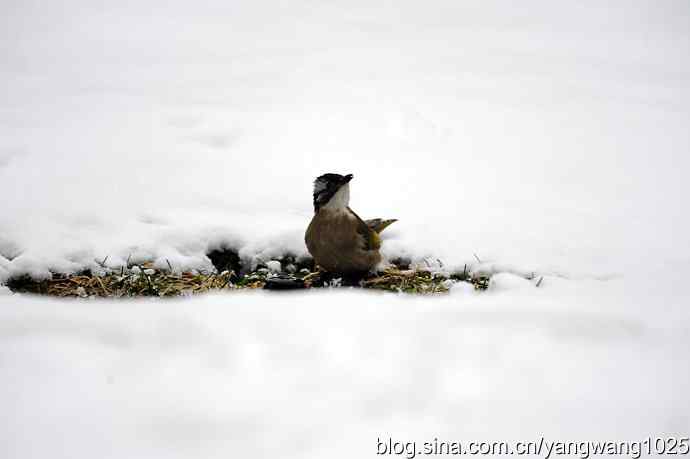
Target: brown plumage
337	238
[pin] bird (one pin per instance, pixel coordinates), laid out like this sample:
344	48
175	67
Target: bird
337	238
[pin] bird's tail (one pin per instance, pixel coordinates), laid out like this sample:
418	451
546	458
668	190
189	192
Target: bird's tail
378	224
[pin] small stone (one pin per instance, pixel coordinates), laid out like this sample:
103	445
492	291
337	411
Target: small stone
282	282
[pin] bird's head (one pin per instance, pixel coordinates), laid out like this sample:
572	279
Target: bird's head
332	191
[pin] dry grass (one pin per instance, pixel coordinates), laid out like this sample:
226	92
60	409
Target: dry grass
145	280
419	281
133	283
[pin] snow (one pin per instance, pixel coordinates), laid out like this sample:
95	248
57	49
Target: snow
544	141
324	374
548	138
273	266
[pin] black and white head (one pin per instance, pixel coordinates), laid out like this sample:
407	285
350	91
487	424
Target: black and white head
332	191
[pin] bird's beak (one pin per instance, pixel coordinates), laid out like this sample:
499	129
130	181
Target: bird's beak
348	177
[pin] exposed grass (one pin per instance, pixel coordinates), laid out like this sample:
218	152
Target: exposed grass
145	280
420	281
131	283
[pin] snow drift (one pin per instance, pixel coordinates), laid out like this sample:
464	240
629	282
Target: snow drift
550	137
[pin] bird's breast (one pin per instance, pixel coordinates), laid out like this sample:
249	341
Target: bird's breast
331	228
336	244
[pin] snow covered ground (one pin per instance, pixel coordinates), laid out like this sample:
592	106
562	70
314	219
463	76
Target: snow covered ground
544	136
325	374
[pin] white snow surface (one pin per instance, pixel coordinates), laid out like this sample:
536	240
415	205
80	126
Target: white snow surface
324	374
541	136
544	137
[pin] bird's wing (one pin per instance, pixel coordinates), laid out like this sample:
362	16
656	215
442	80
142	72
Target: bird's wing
372	241
378	224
